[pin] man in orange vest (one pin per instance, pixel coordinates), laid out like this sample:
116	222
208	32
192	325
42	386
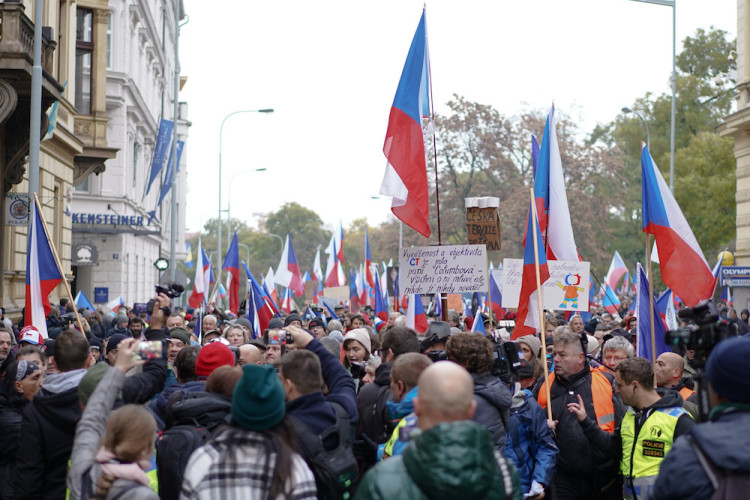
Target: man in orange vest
668	368
583	472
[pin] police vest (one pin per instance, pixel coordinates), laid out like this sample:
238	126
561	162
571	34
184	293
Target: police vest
642	454
601	393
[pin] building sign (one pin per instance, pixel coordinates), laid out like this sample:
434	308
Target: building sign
101	294
107	219
16	209
735	276
84	253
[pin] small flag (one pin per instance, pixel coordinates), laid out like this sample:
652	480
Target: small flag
82	301
416	319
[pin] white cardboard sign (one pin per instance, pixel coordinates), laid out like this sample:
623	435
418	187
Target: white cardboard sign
567	288
443	269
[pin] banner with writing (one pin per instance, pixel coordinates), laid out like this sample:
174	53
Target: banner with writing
483	222
443	269
567	288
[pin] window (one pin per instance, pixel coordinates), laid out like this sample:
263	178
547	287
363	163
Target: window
83	187
109	41
84	52
136	152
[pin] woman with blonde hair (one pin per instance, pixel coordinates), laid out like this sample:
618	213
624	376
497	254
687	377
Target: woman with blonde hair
113	451
235	334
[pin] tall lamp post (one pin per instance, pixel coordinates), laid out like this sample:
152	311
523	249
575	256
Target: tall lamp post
648	137
229	201
673	4
221	133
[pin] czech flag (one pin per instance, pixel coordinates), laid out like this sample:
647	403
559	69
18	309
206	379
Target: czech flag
42	275
665	305
405	179
353	293
496	299
232	267
644	321
259	310
334	272
381	311
617	269
478	325
288	273
416	319
317	270
610	302
114	305
82	301
369	275
202	278
269	285
528	321
683	267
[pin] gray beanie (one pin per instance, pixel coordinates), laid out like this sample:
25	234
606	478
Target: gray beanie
534	344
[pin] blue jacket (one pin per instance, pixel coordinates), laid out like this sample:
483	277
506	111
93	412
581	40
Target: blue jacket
529	442
724	440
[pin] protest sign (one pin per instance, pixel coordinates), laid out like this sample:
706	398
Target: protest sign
565	290
443	269
483	222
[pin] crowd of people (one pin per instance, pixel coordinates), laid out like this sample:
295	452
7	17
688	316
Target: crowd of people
178	404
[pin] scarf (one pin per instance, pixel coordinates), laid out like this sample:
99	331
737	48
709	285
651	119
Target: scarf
133	471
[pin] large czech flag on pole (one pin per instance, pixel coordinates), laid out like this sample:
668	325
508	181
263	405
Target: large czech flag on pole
683	267
528	321
232	267
288	273
42	275
405	179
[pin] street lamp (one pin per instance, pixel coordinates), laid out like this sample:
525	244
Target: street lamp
229	201
648	137
247	250
673	4
221	133
281	240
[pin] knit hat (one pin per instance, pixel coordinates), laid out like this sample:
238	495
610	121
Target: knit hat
592	345
337	335
316	322
212	356
534	344
258	401
360	335
727	369
95	343
333	346
114	341
275	322
89	381
244	322
292	317
180	334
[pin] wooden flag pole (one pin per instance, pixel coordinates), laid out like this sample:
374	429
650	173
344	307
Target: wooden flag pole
57	261
651	307
539	303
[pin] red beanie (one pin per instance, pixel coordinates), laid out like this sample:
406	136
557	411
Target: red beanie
211	356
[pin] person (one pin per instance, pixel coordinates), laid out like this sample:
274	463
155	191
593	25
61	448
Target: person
49	423
317	327
722	441
529	442
21	381
209	322
475	353
531	348
235	335
452	457
140	387
437	334
33	353
178	339
576	323
135	325
6	343
187	380
275	348
175	320
121	326
582	470
357	346
404	379
112	451
249	354
254	457
669	369
615	351
647	431
293	319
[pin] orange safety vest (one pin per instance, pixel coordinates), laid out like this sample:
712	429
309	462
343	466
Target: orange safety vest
601	392
686	393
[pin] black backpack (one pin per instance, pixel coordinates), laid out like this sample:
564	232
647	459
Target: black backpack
728	485
173	449
335	470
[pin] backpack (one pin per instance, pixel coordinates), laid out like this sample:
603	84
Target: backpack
335	470
728	485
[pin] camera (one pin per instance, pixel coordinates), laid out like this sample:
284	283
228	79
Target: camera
436	356
508	358
173	290
149	350
703	333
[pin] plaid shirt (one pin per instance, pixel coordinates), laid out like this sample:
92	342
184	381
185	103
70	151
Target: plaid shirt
224	469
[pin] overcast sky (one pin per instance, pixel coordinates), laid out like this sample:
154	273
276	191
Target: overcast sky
330	71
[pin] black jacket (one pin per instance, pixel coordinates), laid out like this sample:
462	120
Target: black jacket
48	428
207	409
11	414
578	458
493	403
141	387
373	414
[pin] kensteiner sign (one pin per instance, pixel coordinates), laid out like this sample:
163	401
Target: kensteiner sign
106	219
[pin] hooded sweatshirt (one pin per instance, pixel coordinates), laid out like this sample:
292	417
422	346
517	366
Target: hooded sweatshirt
493	401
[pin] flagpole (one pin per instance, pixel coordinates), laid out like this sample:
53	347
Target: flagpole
539	304
57	261
489	287
651	306
434	135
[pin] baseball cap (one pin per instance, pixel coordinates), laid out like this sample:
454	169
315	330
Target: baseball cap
31	335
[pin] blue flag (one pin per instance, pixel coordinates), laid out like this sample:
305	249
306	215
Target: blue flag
167	184
644	322
160	150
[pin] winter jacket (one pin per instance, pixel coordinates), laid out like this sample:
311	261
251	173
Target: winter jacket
723	440
206	409
529	443
493	401
11	414
93	424
578	458
117	329
139	388
238	463
450	461
48	428
371	406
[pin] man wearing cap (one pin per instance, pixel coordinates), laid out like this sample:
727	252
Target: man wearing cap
179	338
121	326
723	442
435	337
293	319
317	327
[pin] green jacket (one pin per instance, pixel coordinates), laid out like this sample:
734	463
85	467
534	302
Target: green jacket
450	461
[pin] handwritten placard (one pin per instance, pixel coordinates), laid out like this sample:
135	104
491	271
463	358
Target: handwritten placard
567	288
443	269
483	222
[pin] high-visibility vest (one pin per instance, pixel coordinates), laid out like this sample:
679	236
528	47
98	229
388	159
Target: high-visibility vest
601	392
686	393
642	454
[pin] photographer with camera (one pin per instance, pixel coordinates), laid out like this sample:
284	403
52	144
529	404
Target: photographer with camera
474	352
713	459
